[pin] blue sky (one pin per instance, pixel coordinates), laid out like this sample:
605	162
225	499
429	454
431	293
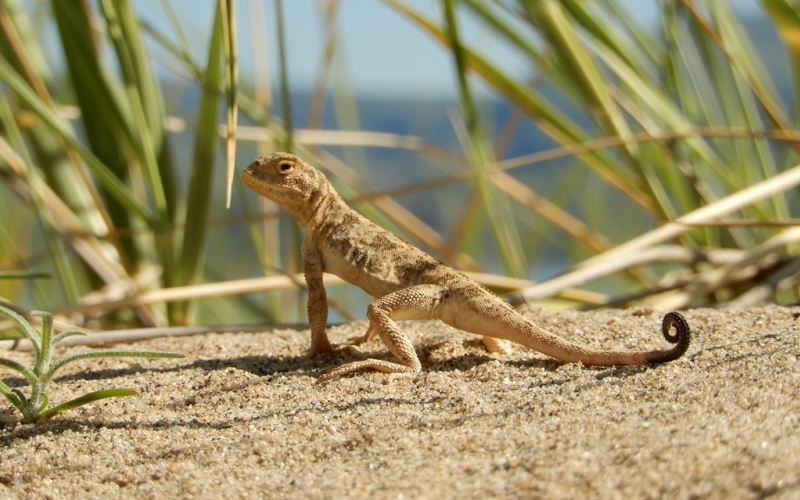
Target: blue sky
381	51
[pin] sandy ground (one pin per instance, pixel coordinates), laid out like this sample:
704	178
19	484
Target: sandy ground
241	416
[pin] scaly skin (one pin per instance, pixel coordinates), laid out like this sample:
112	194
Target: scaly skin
406	282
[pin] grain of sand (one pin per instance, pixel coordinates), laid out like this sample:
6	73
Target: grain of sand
241	417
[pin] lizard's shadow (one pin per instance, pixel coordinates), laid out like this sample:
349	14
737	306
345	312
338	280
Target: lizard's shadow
305	366
478	356
300	365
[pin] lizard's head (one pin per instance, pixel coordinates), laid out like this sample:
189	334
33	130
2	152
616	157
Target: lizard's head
288	181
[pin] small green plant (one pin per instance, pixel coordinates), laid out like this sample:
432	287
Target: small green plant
35	408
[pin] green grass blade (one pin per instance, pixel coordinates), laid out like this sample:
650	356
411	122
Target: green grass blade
547	116
17	145
69	333
23	325
659	105
45	401
501	26
22	370
117	188
785	16
13	397
46	334
580	65
632	51
772	108
143	96
762	163
104	116
202	173
86	399
15	17
22	275
498	208
59	165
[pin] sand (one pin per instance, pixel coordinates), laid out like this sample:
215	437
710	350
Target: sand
241	417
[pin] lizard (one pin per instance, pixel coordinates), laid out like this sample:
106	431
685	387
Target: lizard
406	282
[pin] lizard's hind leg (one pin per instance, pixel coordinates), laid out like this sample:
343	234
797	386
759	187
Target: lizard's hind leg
415	302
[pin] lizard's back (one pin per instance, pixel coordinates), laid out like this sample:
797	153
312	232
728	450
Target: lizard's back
364	254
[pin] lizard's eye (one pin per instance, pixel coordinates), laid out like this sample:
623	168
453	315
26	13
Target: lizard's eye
285	167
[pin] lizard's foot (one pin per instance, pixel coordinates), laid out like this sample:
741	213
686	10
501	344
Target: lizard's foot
498	346
321	347
346	350
396	370
360	339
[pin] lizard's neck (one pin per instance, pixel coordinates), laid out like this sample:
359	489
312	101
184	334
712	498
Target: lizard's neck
318	206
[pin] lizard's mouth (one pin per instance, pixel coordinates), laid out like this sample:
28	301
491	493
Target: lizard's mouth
259	181
251	178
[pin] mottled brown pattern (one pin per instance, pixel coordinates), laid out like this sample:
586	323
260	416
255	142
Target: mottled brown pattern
406	282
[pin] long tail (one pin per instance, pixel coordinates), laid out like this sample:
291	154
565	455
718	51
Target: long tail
681	338
536	337
497	319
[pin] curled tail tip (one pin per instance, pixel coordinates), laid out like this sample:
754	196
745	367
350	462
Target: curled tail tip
676	319
681	338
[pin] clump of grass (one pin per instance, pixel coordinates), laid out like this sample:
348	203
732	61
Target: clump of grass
35	407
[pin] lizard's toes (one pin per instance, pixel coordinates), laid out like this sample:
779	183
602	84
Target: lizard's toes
346	351
351	351
498	346
358	339
324	348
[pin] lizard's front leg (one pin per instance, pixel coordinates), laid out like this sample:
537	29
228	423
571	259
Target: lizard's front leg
416	302
317	299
